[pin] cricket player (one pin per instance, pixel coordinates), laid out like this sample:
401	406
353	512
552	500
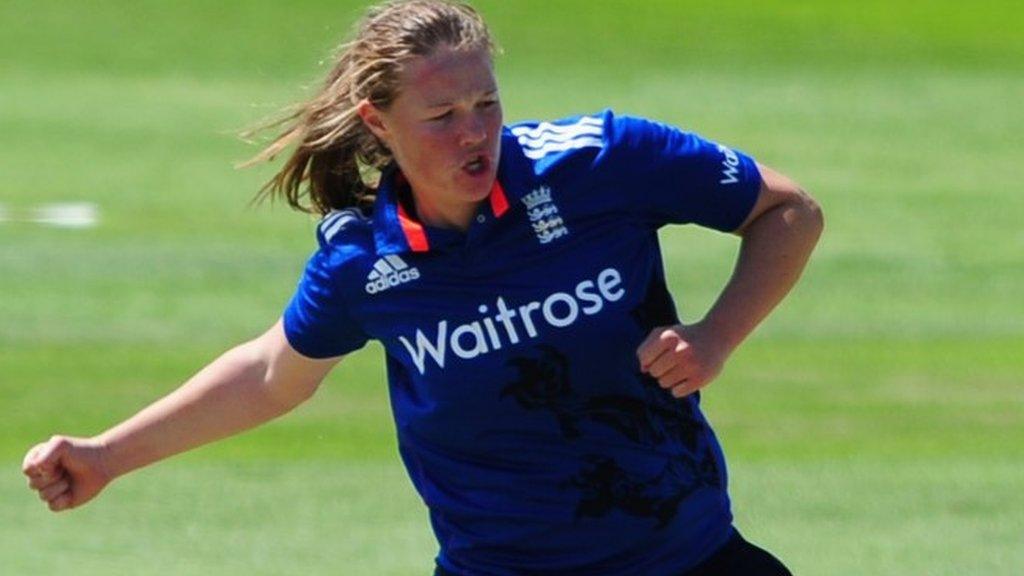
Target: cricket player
546	395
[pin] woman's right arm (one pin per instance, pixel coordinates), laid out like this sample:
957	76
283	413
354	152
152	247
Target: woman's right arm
247	386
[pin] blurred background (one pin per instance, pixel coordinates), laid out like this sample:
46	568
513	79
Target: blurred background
874	424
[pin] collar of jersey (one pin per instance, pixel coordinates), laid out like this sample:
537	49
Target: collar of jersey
396	230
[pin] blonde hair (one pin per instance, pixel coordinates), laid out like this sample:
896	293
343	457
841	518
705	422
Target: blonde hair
336	158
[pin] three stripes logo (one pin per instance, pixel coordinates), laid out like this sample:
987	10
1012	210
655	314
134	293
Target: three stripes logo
337	220
388	272
547	138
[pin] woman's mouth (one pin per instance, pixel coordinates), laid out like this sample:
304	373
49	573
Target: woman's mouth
477	166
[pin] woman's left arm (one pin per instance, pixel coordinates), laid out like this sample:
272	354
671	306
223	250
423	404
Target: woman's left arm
778	237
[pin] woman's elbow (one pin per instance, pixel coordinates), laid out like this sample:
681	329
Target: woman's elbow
806	214
815	214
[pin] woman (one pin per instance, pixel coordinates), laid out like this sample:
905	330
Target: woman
544	391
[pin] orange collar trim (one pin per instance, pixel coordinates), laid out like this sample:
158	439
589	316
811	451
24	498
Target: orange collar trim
416	235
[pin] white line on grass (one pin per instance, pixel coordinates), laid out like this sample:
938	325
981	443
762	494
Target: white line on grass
60	214
67	215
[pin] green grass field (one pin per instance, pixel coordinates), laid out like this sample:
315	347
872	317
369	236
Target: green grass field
874	424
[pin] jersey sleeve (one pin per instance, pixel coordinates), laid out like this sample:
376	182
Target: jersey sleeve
678	177
317	321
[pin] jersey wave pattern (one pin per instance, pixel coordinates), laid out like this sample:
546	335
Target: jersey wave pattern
547	138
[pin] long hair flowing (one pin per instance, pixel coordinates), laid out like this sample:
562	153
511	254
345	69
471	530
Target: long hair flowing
335	160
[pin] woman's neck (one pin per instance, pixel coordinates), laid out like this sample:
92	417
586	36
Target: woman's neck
436	210
457	217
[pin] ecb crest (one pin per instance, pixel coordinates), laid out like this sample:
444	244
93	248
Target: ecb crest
544	218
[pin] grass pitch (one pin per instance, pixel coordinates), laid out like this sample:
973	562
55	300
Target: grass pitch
874	425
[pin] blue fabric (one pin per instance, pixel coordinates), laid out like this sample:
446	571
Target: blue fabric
521	414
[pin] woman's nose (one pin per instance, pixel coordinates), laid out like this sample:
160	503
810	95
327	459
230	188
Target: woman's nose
474	131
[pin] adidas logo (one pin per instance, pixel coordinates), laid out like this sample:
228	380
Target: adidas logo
388	272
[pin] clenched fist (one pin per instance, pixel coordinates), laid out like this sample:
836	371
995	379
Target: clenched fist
682	358
67	472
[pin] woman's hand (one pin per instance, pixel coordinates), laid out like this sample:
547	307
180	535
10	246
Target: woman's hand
67	472
682	358
245	387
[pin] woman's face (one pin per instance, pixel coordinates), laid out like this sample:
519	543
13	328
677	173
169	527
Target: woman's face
444	130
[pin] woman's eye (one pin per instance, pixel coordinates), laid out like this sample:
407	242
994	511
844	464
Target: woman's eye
488	103
441	116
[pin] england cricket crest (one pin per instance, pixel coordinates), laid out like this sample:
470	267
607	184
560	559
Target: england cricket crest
544	218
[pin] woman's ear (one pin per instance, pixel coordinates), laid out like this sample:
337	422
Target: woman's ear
373	119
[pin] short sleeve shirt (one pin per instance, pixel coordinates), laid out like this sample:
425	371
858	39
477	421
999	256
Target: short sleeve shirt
522	416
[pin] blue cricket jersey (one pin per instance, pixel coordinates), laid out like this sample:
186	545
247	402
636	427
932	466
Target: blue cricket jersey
522	416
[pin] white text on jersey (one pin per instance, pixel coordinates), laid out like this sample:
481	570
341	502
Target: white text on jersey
730	166
388	272
558	310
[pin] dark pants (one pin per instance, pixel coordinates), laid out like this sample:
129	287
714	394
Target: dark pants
737	558
740	558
